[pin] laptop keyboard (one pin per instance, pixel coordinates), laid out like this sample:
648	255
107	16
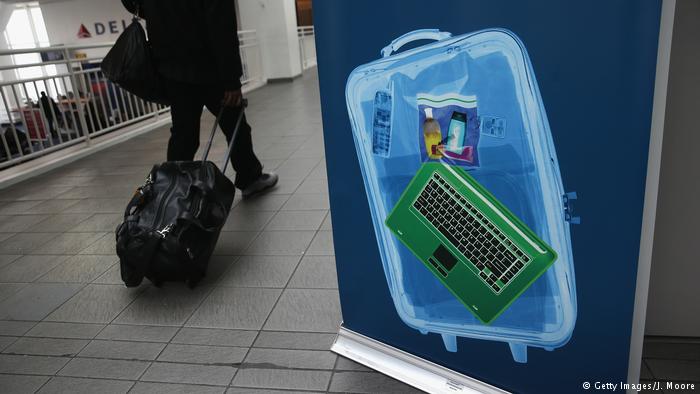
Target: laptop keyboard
495	256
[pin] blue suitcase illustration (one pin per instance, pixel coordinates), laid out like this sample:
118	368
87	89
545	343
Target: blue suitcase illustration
513	156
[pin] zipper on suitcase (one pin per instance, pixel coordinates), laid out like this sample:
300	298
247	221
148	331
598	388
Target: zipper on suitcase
164	201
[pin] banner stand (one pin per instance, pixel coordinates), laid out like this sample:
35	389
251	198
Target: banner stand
406	367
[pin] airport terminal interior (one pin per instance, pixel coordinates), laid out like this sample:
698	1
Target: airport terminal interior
265	316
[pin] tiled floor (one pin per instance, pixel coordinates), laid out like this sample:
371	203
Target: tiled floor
261	322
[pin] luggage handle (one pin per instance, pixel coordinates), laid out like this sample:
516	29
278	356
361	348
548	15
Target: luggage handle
421	34
244	104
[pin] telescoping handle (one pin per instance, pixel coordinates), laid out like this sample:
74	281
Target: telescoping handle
422	34
244	104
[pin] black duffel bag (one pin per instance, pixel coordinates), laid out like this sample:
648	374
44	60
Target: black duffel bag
130	64
172	223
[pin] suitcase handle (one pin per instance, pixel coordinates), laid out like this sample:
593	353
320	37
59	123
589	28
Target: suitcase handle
421	34
244	104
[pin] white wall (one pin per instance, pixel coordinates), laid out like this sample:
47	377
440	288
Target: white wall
673	308
63	20
276	23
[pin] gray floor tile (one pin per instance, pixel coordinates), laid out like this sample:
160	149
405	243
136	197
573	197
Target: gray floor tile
296	220
675	370
198	354
234	242
9	289
138	333
266	202
237	308
189	373
44	193
171	388
65	330
51	206
247	220
19	223
95	304
645	373
21	384
327	224
294	340
671	350
170	305
260	271
281	243
218	265
345	364
15	328
286	185
59	223
368	382
319	172
122	350
206	336
47	346
14	207
29	268
100	368
63	385
276	152
322	244
312	310
285	358
248	390
4	236
99	222
6	259
106	245
297	167
34	365
36	300
6	341
303	202
315	272
25	243
112	276
282	379
68	243
79	269
313	186
99	205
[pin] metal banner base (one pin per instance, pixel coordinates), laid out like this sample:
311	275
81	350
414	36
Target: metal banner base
405	367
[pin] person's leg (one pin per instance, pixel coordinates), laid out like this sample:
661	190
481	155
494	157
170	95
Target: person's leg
186	111
245	163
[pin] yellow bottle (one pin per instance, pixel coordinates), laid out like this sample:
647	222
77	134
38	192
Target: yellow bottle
432	134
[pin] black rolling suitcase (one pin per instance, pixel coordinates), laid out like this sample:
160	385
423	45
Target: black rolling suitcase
172	223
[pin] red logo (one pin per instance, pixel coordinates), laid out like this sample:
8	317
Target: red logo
83	32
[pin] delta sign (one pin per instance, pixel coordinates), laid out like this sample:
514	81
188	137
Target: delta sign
102	28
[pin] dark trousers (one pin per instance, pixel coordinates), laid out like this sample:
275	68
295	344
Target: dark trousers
186	110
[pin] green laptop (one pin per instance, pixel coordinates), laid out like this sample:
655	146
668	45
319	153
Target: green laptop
480	251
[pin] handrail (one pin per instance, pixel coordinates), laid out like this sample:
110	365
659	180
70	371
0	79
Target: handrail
307	46
80	103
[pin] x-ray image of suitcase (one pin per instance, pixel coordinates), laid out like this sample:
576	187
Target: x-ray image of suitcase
517	164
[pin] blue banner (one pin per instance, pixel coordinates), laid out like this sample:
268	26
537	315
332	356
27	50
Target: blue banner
487	164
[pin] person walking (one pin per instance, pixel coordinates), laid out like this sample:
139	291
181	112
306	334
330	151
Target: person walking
196	50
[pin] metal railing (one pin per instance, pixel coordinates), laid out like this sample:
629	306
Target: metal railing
251	57
307	46
55	97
